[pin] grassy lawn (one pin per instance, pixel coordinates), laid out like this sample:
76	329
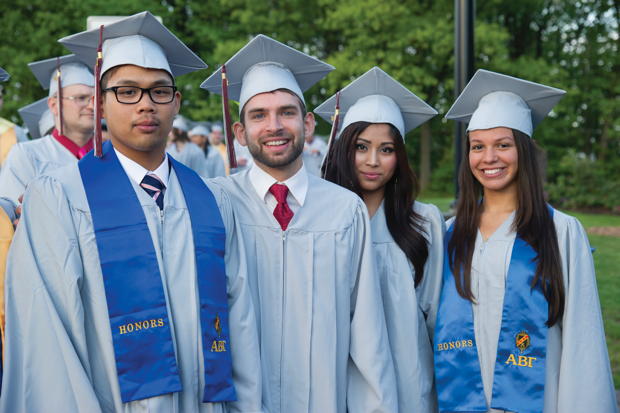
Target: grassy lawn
607	265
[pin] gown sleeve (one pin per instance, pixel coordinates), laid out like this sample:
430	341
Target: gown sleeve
371	377
17	171
199	162
244	346
585	382
46	363
429	290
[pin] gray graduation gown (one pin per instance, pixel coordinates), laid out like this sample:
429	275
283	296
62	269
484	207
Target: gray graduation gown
410	312
191	156
27	160
215	164
578	375
324	345
59	355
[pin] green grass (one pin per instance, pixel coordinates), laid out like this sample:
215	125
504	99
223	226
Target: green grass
597	220
606	264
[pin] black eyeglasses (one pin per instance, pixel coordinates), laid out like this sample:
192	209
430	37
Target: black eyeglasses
132	94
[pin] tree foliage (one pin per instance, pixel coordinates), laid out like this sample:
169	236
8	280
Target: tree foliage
568	44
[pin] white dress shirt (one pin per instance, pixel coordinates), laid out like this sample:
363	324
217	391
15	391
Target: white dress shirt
297	187
137	172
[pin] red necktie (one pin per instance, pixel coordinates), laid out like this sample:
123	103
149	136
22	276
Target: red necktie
282	213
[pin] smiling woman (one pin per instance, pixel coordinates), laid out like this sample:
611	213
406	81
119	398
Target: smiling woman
519	279
493	158
369	158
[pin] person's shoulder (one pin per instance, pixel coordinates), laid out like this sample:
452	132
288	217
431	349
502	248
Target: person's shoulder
562	218
6	124
192	147
567	226
65	179
429	212
330	192
35	145
45	150
233	185
334	207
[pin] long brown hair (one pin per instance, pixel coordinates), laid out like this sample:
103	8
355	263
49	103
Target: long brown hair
404	224
179	135
533	223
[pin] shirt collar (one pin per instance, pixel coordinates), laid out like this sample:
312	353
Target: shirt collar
136	172
297	184
77	151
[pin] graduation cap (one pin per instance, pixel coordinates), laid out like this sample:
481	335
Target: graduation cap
46	123
263	65
59	72
492	100
4	76
199	130
33	117
180	123
376	97
71	69
139	40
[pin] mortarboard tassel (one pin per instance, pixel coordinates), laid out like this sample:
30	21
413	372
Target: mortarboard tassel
228	136
332	135
98	64
59	95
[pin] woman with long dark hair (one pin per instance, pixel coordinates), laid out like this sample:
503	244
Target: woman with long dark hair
519	326
369	158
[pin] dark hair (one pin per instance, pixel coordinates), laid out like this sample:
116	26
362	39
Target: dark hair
105	78
301	105
179	135
533	223
207	147
404	224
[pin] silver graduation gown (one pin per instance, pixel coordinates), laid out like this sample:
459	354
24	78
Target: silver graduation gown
191	156
59	355
578	375
410	312
324	345
27	160
215	164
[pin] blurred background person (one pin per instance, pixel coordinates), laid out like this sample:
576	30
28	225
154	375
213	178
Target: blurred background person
315	149
183	150
199	135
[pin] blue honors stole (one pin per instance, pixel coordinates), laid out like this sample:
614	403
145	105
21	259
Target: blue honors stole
144	351
519	378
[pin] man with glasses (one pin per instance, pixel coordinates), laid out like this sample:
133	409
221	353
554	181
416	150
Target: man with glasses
125	289
72	107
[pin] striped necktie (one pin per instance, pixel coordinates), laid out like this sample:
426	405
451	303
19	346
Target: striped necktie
155	188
